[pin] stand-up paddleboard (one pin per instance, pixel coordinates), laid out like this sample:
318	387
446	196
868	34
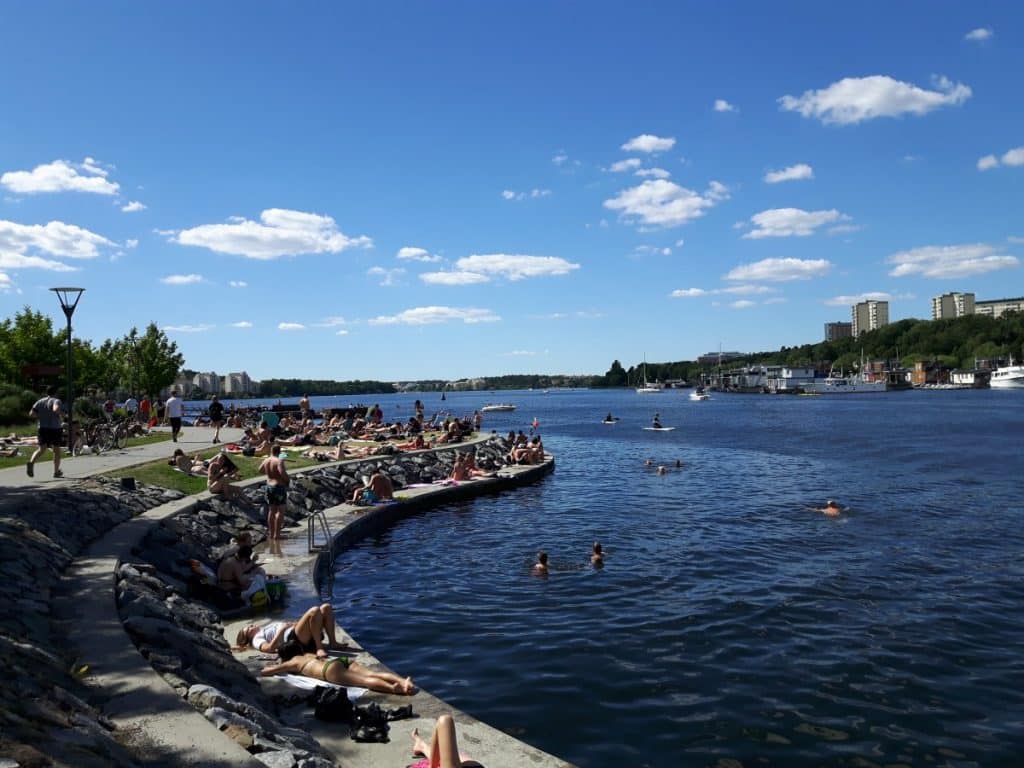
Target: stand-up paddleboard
657	429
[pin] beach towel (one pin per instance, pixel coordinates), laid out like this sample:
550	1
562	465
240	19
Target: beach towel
309	684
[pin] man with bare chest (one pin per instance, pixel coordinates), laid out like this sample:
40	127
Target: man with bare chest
277	491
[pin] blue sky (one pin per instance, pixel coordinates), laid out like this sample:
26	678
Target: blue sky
438	190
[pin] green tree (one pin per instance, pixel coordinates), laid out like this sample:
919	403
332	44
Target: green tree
28	339
152	359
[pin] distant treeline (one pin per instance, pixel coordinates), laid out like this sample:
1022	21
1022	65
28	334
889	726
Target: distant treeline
957	342
300	387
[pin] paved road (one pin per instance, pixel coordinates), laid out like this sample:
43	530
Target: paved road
77	467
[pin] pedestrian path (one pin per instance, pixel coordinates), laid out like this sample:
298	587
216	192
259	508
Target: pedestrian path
79	467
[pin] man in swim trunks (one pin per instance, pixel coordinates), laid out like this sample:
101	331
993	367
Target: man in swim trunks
342	671
277	491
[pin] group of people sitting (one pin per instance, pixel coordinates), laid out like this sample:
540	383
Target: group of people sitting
525	450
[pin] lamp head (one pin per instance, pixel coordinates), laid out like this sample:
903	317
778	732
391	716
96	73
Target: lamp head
68	299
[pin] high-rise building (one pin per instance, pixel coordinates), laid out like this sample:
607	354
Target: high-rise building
207	382
869	316
237	383
999	307
952	305
839	330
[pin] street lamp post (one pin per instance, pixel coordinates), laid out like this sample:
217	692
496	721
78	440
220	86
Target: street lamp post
68	301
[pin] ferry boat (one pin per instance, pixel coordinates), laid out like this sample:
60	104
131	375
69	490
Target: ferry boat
1008	376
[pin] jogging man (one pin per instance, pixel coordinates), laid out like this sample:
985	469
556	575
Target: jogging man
47	410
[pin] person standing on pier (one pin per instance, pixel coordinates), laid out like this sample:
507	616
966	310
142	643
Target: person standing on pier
277	491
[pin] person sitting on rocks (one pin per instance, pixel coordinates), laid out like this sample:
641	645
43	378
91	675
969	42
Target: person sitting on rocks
379	484
341	670
472	470
443	750
292	638
238	574
219	474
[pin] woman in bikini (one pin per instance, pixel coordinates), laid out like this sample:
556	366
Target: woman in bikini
342	671
443	750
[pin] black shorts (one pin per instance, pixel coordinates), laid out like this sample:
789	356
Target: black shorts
175	424
49	437
276	495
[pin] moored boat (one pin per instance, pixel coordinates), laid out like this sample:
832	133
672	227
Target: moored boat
1008	376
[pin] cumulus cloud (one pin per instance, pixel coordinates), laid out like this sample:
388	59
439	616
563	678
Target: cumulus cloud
850	299
626	165
979	34
743	304
61	176
645	142
434	315
5	283
948	261
342	332
330	322
34	246
238	283
1011	157
652	249
686	293
515	266
653	173
133	206
780	270
279	232
290	326
855	99
242	324
181	279
721	105
792	173
131	243
202	328
453	278
388	277
411	253
520	353
560	158
791	222
533	194
662	203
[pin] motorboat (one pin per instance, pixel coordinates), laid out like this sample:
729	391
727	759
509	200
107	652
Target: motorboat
1008	376
497	408
699	394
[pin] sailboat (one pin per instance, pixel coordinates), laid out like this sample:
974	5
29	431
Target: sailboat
648	388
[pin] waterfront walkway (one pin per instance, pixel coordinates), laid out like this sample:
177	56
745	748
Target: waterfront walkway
144	706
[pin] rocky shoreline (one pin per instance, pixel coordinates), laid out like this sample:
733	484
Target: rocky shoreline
180	637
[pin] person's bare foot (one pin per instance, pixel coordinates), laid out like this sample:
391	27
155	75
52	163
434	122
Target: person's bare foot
407	687
420	748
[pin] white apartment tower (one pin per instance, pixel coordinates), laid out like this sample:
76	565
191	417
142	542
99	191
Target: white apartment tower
952	305
869	316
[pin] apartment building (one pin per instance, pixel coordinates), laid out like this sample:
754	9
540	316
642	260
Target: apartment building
952	305
834	331
999	307
869	316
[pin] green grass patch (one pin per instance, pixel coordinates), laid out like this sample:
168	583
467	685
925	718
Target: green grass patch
24	451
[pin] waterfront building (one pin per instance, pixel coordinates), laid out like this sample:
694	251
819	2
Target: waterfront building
840	330
931	372
237	384
206	382
999	307
181	383
869	316
712	358
952	305
784	379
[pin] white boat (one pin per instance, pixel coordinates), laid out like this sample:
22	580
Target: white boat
492	408
648	388
1008	376
699	394
843	385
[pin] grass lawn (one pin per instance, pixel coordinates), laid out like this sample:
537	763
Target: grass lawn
27	450
161	474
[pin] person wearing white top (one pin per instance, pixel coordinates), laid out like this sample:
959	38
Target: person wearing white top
174	410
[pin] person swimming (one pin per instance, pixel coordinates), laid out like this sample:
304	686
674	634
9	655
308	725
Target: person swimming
596	555
831	508
540	568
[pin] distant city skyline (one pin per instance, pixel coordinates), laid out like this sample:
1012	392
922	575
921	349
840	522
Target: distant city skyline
441	191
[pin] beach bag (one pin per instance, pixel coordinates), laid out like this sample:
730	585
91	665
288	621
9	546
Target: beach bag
332	705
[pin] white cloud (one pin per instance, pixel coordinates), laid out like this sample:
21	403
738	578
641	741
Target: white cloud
680	242
721	105
560	159
5	283
280	232
514	266
242	324
626	165
290	327
942	261
743	304
133	206
739	290
979	34
855	99
653	173
780	270
851	299
433	315
238	283
791	222
1014	156
653	249
25	246
686	293
792	173
410	253
330	322
169	233
181	279
342	332
1016	240
453	278
388	277
60	176
131	243
508	194
645	142
520	353
665	204
988	162
202	328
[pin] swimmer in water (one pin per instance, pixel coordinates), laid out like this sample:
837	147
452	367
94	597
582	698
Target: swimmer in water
679	464
540	568
661	470
831	509
596	555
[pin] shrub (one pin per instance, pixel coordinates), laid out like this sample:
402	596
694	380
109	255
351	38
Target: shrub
15	403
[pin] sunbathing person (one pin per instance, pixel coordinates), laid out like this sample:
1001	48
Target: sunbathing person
379	485
292	638
443	750
459	471
472	470
219	474
191	465
416	444
342	671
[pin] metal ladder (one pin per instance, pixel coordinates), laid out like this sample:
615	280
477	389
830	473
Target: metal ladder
316	523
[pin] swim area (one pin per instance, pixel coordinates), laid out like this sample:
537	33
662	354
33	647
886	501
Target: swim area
730	625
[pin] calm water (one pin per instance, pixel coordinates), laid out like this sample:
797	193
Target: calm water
730	623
